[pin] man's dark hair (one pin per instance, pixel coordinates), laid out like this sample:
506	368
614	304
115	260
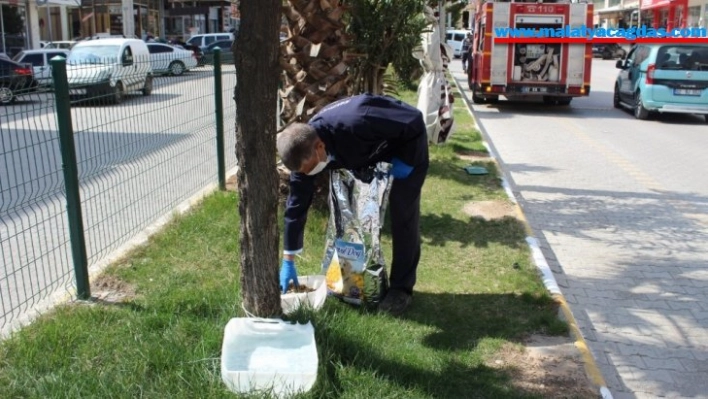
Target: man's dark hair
296	145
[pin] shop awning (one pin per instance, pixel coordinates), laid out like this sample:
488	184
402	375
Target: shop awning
55	3
618	8
649	4
610	10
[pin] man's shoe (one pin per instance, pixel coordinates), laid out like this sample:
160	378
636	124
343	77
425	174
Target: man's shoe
396	302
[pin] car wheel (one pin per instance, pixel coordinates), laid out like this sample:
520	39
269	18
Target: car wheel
176	68
616	98
6	95
705	118
147	89
639	111
118	93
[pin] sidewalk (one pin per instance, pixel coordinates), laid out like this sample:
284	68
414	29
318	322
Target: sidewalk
636	288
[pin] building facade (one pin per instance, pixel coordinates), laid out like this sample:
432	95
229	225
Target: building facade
671	14
25	24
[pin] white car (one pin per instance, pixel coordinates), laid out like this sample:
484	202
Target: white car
40	62
172	60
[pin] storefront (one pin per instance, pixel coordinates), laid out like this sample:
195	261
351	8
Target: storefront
108	17
618	16
697	16
668	14
14	31
184	22
55	19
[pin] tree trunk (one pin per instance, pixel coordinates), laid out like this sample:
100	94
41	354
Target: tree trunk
257	67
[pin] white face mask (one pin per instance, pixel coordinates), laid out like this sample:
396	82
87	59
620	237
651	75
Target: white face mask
317	169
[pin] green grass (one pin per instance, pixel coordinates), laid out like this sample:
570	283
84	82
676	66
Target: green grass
477	290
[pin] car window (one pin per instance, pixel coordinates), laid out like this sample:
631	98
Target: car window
194	40
127	56
690	58
641	54
34	59
459	37
158	48
448	36
224	37
209	40
224	45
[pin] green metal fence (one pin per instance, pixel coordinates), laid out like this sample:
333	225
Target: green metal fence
86	164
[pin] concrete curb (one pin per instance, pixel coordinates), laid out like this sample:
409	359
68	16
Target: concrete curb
591	368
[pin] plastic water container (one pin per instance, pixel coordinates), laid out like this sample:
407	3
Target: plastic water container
315	299
268	355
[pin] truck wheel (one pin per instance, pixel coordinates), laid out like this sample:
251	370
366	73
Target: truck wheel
639	111
476	98
705	118
564	100
492	99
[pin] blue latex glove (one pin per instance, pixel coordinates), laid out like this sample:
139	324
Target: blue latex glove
287	273
400	169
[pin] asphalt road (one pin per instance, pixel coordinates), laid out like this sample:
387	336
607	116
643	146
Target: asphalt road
137	161
620	207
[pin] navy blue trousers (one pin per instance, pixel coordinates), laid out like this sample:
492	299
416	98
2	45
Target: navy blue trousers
404	206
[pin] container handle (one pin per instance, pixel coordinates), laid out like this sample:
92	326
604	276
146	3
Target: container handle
270	326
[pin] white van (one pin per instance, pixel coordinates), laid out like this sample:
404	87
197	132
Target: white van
454	38
205	39
109	68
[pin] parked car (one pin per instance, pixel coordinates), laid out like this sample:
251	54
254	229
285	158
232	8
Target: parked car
608	51
40	62
204	40
16	80
227	56
172	60
109	68
668	78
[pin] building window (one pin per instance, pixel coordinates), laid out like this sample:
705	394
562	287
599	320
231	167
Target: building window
694	15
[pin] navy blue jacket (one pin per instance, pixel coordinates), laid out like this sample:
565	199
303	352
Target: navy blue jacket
358	132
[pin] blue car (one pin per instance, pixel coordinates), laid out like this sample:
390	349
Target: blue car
663	78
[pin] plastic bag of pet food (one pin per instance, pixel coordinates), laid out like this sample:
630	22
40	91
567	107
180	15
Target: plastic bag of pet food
353	264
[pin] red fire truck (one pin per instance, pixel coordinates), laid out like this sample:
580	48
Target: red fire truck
557	72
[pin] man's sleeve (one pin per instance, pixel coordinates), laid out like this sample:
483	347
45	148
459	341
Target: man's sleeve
302	188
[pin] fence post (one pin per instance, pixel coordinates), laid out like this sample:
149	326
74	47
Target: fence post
219	102
71	177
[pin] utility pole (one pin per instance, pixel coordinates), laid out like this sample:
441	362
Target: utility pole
441	19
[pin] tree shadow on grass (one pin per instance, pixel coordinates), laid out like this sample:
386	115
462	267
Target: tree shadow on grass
438	230
457	323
